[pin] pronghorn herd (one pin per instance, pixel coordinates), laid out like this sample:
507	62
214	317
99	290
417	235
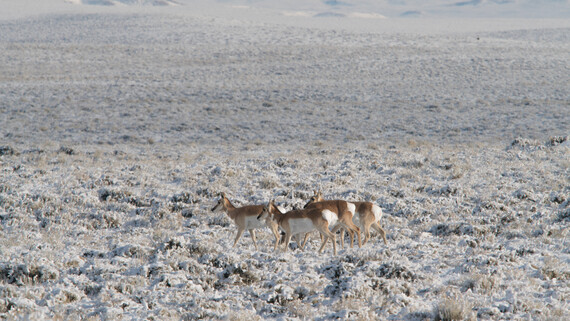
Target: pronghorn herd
325	216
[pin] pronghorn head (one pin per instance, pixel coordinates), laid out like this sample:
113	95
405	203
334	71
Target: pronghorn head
268	211
318	197
222	203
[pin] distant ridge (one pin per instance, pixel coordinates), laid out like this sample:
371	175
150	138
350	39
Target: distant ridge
125	2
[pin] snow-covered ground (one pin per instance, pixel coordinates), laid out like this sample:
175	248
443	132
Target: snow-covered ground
121	121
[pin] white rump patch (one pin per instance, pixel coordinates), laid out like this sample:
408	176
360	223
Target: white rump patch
351	208
377	212
300	225
253	222
331	217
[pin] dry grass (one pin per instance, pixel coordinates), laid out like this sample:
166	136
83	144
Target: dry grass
452	309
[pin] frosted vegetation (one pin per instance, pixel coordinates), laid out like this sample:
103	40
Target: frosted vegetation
119	130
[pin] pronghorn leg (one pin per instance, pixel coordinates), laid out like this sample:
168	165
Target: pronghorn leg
358	236
343	231
334	230
379	228
328	235
366	228
307	238
334	243
295	237
301	244
323	244
353	229
342	234
275	231
252	232
305	241
239	233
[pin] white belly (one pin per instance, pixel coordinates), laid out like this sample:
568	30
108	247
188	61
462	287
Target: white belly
251	222
301	225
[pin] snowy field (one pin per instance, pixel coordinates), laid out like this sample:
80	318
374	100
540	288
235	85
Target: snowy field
121	121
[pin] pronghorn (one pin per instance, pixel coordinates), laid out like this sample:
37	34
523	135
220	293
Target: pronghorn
277	210
302	221
368	213
246	219
345	212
